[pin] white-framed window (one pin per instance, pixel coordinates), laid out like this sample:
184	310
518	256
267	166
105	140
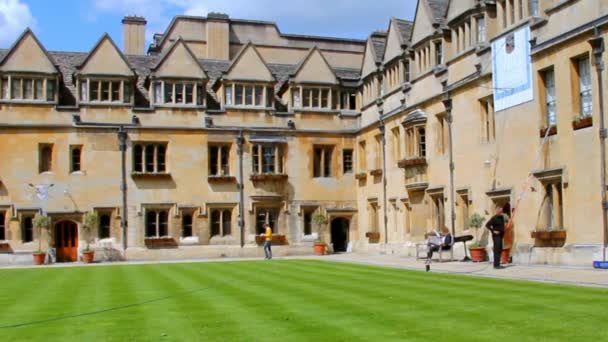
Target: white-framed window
18	88
347	161
157	223
548	77
248	95
149	158
178	93
314	97
584	86
267	158
481	29
94	90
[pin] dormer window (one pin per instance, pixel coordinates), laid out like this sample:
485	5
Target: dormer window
105	91
17	88
315	98
174	93
248	95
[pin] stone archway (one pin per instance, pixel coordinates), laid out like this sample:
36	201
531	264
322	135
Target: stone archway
339	234
66	241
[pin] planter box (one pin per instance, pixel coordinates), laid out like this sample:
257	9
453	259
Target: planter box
361	176
152	175
543	131
160	243
39	258
276	239
581	123
373	237
274	177
556	238
221	179
5	247
410	162
376	172
478	254
320	248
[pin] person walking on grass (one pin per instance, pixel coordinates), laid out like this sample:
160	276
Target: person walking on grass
268	241
496	225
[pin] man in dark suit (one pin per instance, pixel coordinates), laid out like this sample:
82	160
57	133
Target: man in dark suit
496	225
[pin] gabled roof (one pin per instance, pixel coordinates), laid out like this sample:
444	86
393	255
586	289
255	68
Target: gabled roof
405	29
189	54
312	52
105	38
250	50
378	39
439	9
17	44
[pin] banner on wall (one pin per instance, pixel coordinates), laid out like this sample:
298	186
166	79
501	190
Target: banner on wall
512	69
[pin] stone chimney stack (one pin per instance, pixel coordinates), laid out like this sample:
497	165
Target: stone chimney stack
218	36
134	30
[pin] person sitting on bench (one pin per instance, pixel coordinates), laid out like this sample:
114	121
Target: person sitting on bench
438	241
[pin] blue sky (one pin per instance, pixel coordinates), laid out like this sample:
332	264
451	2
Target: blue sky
73	25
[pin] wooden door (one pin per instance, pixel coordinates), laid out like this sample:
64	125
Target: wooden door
66	241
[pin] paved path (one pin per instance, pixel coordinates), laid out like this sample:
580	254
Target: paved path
542	273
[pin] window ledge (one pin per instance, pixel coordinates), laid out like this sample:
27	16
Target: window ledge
189	240
316	110
268	177
78	173
439	70
552	131
221	179
179	106
106	104
160	242
582	122
258	108
412	162
150	174
28	102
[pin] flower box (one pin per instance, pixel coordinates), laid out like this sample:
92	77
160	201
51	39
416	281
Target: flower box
543	131
276	239
549	238
5	247
373	237
270	177
376	172
160	243
150	175
221	179
410	162
582	122
361	176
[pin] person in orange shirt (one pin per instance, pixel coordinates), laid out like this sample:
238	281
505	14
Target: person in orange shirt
268	242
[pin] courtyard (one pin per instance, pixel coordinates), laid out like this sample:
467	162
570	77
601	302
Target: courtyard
295	299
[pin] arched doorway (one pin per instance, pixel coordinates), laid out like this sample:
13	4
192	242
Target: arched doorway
339	234
66	241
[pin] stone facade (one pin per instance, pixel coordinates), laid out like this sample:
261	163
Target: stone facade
325	138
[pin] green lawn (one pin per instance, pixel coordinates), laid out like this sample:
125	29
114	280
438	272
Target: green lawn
288	301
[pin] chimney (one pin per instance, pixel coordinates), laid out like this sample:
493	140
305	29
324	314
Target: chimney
218	36
134	30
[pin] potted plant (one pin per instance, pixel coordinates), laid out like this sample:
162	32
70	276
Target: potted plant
477	248
319	220
90	222
40	222
320	247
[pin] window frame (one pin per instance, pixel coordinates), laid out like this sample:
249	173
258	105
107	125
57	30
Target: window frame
99	86
222	152
47	86
258	160
45	164
159	167
73	149
323	164
157	225
222	229
249	97
347	165
101	227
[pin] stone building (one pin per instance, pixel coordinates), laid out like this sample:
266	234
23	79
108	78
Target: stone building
185	149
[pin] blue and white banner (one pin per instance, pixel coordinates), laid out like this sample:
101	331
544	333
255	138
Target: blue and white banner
512	69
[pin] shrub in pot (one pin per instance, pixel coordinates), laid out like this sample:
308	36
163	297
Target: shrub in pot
477	248
89	224
40	223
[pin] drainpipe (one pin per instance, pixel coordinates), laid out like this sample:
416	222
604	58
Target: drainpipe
122	140
240	140
597	44
382	128
447	103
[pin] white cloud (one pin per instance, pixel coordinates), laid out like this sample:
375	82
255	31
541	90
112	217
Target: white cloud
340	18
15	16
